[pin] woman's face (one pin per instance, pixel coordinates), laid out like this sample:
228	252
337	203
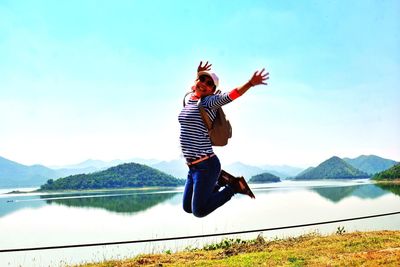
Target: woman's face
204	86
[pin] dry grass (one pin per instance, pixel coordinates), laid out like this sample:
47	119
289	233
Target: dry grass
379	248
394	181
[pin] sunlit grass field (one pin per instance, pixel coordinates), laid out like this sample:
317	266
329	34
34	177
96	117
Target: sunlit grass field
377	248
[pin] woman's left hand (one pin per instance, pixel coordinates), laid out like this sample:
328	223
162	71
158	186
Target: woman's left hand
259	78
205	67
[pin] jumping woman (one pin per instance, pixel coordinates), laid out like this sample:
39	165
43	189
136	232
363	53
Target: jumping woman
202	195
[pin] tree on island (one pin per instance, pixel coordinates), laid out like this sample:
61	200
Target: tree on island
264	178
390	174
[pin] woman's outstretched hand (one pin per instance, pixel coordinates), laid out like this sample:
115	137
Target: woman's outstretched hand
259	77
205	67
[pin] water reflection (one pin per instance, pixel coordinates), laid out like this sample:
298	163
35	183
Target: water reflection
10	206
133	201
123	203
119	201
394	188
336	194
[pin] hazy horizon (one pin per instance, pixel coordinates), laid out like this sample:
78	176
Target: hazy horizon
156	161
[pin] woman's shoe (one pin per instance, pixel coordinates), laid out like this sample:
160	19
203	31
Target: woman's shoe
240	186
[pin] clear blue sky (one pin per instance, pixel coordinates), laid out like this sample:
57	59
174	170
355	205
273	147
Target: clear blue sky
105	79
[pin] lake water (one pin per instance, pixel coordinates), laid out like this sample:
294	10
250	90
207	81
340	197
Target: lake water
36	220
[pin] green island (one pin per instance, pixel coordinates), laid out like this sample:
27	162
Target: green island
375	248
128	175
389	179
264	178
391	174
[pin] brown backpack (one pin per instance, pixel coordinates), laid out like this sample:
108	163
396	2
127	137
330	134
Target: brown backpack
219	130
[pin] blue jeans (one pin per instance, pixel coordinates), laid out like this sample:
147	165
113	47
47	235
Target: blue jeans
199	197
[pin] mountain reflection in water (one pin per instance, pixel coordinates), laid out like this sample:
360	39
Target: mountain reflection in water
394	188
367	191
134	201
122	203
336	194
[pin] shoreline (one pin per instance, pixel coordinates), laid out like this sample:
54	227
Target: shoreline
72	191
394	181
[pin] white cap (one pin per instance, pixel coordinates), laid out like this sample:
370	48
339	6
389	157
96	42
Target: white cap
212	75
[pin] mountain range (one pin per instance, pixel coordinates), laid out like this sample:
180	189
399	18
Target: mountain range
370	164
96	165
179	169
13	174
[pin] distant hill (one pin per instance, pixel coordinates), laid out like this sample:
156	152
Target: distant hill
176	168
13	174
390	174
121	176
179	169
241	169
91	164
333	168
85	167
282	171
264	178
370	164
96	165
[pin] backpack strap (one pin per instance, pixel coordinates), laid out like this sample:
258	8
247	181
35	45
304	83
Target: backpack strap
184	98
206	119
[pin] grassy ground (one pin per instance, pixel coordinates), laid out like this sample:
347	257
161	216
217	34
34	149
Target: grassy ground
379	248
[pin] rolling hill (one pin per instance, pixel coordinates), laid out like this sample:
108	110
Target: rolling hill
333	168
371	164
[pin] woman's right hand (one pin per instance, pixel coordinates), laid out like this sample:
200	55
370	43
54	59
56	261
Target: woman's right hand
205	67
259	78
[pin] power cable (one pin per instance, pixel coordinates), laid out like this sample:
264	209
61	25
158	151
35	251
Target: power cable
197	236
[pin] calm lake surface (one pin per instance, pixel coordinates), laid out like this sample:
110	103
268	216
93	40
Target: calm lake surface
33	220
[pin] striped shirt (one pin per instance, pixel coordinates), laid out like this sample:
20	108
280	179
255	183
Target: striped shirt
194	139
